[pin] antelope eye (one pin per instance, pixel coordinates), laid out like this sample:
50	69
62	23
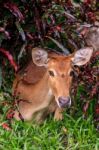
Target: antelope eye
72	73
51	73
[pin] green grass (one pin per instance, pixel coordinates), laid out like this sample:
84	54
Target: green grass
73	133
69	134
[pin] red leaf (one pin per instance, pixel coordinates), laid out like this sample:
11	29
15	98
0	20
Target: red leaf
96	54
6	126
87	1
91	16
85	108
58	28
15	10
10	114
29	36
84	31
97	109
5	32
10	58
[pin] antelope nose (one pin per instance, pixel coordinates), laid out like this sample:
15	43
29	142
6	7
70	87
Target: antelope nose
64	101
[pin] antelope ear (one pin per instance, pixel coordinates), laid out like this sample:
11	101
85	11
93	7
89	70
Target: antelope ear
39	56
82	56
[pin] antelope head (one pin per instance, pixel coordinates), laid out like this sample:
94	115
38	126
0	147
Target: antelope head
59	69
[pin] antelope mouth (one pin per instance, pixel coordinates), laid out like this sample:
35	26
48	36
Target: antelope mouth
64	102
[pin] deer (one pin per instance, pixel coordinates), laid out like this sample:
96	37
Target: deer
91	36
50	90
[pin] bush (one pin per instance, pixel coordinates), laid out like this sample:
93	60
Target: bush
25	24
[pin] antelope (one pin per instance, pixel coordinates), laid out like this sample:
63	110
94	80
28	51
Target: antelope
91	36
50	92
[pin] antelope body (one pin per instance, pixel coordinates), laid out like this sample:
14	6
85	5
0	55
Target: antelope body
49	90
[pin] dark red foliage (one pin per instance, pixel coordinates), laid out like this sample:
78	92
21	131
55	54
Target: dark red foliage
89	76
26	24
6	126
10	114
88	2
85	107
97	109
13	8
9	57
5	32
91	16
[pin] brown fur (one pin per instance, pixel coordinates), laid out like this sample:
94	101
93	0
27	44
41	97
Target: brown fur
37	92
40	89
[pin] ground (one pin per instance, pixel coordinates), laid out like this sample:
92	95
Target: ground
72	133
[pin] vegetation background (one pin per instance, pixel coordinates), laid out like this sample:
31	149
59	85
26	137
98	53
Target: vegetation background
46	23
